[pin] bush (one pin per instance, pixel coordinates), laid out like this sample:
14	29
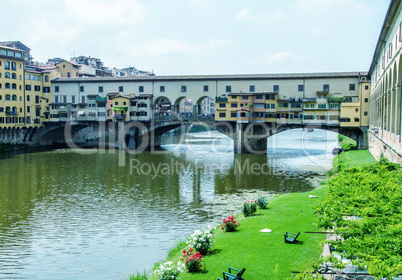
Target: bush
249	207
262	202
168	271
193	260
346	143
202	241
230	224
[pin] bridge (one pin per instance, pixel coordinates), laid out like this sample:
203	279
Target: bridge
141	136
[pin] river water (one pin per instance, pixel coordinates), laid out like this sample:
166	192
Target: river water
104	214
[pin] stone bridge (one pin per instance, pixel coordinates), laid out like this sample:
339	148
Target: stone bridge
140	136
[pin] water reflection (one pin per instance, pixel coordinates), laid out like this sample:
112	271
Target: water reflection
104	215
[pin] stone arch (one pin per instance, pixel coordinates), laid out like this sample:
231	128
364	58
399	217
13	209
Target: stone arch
162	104
180	107
208	108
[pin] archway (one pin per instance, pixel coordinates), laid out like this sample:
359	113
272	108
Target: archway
205	105
162	105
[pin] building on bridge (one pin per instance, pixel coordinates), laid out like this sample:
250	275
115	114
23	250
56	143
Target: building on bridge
386	88
337	100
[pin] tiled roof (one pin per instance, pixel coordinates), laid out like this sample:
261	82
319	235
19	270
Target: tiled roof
214	77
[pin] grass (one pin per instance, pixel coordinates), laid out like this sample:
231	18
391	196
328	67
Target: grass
266	255
355	158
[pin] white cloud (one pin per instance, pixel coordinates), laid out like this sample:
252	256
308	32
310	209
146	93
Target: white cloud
247	15
165	46
281	57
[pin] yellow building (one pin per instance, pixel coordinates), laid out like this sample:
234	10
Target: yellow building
68	69
38	93
11	87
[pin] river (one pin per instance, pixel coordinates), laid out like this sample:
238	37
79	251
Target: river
104	214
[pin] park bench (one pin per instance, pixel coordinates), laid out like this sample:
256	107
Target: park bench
291	237
231	276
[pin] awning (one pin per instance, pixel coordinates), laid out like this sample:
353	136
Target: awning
81	113
119	108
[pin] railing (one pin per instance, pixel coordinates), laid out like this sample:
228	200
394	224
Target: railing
187	118
8	113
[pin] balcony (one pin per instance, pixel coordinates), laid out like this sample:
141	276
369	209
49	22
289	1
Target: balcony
221	99
11	113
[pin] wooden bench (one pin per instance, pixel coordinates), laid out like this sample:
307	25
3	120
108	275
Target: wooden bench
231	276
291	237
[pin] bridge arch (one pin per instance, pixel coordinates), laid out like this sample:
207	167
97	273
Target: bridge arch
162	104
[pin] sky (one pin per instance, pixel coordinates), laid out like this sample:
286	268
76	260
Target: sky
201	37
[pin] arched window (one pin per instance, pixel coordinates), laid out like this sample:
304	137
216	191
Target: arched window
8	85
14	97
7	75
15	110
14	86
46	78
13	76
8	97
13	66
8	110
28	120
7	65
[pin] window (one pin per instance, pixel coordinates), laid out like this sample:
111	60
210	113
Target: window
3	52
366	100
206	88
283	105
82	99
300	87
352	86
334	106
233	115
14	97
14	76
27	87
366	87
56	99
162	89
273	106
322	106
1	109
37	88
7	75
81	88
46	79
13	66
183	88
8	85
222	115
334	118
258	96
28	109
325	87
252	88
259	105
36	98
28	98
7	65
244	97
222	105
56	89
366	113
233	105
141	88
228	88
357	119
121	89
14	86
276	88
68	74
72	98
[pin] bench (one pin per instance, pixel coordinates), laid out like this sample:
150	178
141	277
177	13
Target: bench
291	237
231	276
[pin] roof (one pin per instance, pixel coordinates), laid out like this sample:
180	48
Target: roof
214	77
386	27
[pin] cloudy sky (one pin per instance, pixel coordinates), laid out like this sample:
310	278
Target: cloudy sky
201	36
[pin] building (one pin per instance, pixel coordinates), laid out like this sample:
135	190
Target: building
68	69
386	90
12	98
338	100
26	52
208	106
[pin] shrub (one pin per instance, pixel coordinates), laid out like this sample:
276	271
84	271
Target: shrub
346	143
168	271
230	224
202	241
249	207
262	202
193	260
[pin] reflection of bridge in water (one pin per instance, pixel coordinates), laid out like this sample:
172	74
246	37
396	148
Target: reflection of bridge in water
140	136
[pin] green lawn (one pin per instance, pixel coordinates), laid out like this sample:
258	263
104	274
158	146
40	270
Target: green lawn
260	253
355	158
